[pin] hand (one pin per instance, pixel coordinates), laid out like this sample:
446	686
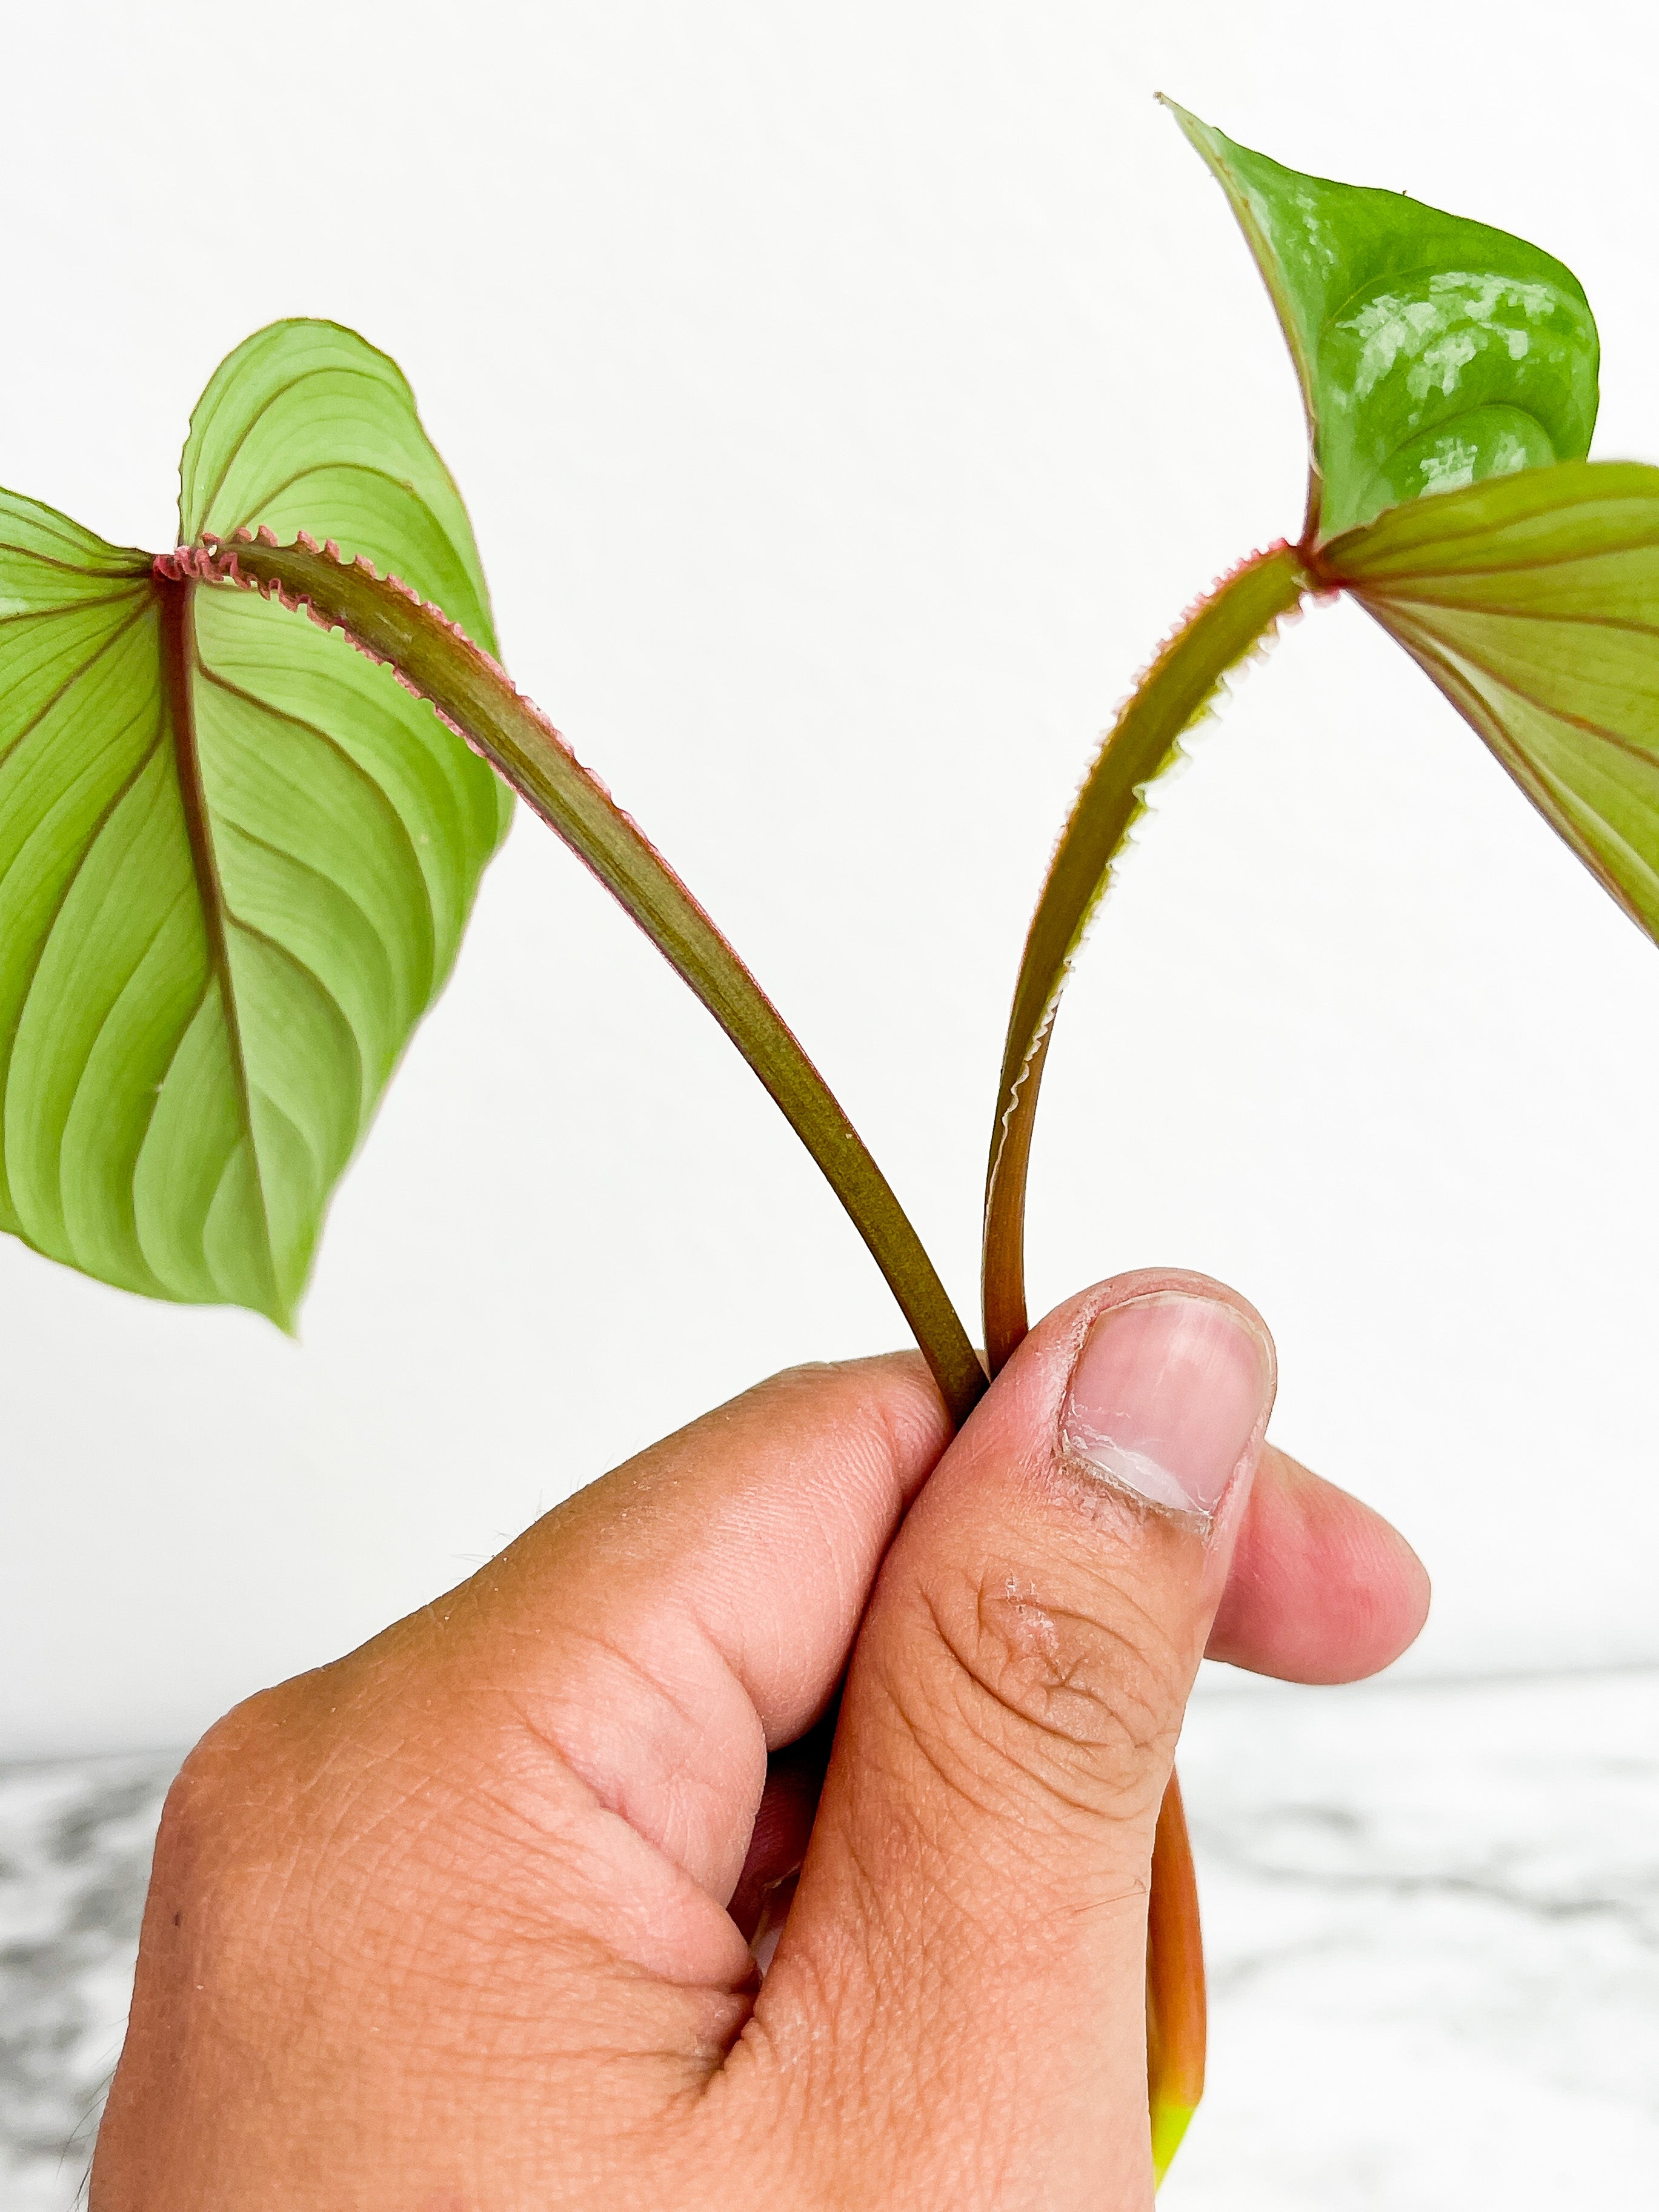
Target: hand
445	1926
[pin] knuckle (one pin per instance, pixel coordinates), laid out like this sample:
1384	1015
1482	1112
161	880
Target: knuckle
1078	1700
331	1825
215	1791
225	1800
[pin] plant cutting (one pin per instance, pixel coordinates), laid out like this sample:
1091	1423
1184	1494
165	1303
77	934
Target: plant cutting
238	848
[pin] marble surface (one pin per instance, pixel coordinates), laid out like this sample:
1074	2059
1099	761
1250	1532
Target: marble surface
1432	1917
75	1845
1432	1923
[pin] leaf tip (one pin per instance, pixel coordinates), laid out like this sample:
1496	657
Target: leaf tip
1192	127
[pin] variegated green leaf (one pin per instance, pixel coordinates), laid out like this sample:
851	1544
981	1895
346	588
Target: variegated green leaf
1533	601
1433	351
235	858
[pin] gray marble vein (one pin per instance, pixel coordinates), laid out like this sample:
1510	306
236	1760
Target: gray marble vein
1432	1918
74	1847
1432	1913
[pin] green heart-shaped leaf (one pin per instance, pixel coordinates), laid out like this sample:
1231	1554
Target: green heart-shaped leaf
1432	352
235	858
1533	601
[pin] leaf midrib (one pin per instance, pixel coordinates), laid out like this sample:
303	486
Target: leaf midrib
178	656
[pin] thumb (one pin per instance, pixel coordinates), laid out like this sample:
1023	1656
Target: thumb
963	1973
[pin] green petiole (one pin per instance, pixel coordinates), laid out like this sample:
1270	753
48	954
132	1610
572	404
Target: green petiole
474	696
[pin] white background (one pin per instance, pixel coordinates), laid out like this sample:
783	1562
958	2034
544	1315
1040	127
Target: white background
848	399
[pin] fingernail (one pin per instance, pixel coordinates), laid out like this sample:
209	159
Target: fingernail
1167	1397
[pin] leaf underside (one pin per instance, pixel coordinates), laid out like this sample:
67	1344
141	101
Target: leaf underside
235	859
1432	352
1532	601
